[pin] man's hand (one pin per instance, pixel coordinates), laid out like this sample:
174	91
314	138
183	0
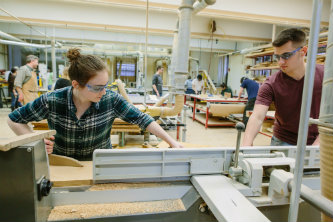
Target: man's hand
49	144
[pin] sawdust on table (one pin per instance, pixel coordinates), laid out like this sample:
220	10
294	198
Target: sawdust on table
124	186
114	209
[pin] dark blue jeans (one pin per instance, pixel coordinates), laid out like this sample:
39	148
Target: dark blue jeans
277	142
15	103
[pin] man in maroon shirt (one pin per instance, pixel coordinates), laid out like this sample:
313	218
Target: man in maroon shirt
285	88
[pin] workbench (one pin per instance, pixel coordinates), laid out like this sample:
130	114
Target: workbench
267	126
203	102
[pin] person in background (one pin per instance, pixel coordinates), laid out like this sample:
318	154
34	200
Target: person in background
83	114
226	89
26	80
11	91
188	86
252	88
49	79
158	81
64	81
198	84
285	89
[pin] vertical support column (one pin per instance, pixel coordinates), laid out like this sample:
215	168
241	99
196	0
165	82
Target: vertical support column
53	56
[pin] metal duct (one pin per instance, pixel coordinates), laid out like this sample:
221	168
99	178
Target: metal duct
7	42
199	5
183	40
173	56
183	45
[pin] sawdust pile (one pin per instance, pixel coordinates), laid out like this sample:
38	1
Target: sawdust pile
114	209
124	186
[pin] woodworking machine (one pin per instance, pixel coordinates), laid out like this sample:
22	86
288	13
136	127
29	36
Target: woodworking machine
211	184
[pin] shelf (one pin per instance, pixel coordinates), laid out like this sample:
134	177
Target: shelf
259	54
264	68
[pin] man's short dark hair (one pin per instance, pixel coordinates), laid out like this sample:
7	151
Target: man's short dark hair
158	68
242	79
296	36
13	70
199	77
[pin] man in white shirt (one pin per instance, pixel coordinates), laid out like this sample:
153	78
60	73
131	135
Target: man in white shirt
198	84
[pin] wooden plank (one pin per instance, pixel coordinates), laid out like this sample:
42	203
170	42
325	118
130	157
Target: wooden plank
58	160
72	176
7	144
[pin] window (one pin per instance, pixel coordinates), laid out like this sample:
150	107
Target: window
125	69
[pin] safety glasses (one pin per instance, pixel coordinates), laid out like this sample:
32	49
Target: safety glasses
97	88
286	55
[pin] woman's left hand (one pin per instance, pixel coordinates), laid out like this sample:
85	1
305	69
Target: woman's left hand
49	144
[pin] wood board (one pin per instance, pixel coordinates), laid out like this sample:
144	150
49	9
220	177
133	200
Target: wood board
72	176
9	143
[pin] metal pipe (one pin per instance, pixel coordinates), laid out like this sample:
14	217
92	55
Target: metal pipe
173	57
318	201
266	155
10	37
184	122
273	32
7	42
320	123
53	58
305	109
183	44
146	56
240	127
200	5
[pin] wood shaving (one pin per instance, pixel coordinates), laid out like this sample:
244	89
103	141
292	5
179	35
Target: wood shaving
124	186
114	209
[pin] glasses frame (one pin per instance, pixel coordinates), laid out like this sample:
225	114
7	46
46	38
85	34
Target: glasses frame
286	55
97	88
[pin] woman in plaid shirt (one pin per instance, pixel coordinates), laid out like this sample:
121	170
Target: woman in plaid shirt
83	113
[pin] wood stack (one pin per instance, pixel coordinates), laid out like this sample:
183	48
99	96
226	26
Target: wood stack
120	126
117	127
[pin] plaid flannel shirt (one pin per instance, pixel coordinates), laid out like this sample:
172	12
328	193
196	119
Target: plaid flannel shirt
78	138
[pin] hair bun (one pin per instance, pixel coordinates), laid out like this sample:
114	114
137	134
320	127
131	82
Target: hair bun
73	54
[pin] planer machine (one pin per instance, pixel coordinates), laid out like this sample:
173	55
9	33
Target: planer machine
192	184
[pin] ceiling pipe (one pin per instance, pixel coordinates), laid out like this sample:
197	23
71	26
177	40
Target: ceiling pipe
10	37
186	11
7	42
201	4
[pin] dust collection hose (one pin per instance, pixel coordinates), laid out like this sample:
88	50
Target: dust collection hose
326	165
122	90
154	110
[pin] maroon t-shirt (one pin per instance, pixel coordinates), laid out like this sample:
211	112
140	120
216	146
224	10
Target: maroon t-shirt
286	93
